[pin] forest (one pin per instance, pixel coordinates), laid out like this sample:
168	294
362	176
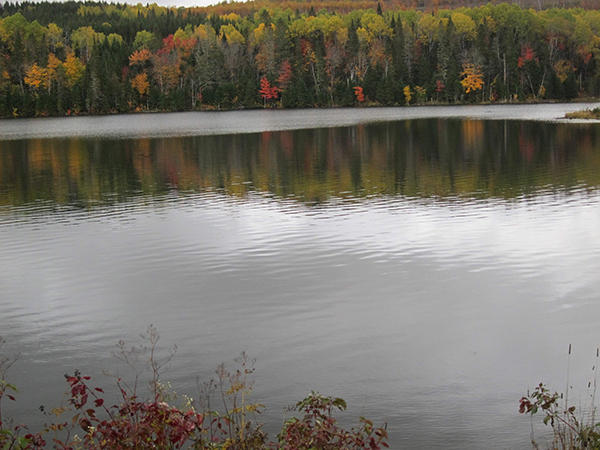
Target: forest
99	58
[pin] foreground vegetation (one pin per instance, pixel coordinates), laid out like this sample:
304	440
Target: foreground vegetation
69	58
571	429
85	421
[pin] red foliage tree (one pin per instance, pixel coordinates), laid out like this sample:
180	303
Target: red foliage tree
266	90
527	54
285	75
184	46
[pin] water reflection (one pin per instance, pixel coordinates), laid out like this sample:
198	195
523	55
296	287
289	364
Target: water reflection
415	158
451	263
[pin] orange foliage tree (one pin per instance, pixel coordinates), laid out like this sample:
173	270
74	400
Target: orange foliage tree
358	91
52	71
35	76
167	71
472	78
139	56
140	83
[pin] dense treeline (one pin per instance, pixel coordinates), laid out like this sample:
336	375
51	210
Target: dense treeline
65	58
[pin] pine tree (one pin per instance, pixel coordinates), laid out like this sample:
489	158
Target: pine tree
570	86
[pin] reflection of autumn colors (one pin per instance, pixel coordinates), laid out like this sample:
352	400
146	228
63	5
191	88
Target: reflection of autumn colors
412	158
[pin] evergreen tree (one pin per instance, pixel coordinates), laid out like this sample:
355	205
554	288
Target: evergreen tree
570	86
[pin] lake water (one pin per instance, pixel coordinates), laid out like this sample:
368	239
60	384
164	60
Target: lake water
427	270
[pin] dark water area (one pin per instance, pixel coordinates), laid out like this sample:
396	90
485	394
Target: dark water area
413	159
429	271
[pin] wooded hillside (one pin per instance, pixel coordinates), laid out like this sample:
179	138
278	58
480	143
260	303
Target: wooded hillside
68	58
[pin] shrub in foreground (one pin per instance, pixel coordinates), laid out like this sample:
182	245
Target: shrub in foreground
85	421
571	429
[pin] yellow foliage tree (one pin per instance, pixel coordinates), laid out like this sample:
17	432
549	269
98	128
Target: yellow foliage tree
232	17
472	78
83	39
262	32
464	25
140	83
233	36
35	76
5	78
407	94
563	68
114	38
363	36
204	34
375	25
55	38
74	69
421	93
430	29
52	70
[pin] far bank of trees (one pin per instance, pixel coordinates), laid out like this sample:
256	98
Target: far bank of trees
72	58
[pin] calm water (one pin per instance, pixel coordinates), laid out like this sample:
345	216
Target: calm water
429	271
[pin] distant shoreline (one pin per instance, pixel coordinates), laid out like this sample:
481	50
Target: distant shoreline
203	123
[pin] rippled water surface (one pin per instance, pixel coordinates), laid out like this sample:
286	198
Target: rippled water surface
429	271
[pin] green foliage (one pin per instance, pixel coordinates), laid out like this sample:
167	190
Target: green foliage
569	432
318	429
209	58
571	429
144	39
